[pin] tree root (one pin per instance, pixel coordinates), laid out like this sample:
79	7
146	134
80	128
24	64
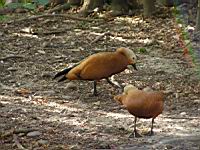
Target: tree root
49	15
59	8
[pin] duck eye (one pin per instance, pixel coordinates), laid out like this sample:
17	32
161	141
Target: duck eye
134	58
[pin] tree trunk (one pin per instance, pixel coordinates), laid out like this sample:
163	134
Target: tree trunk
119	7
54	3
198	17
74	2
134	4
149	7
168	2
90	5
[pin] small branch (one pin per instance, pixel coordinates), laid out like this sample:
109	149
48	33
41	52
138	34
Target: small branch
11	56
17	142
15	131
50	15
49	32
100	37
181	118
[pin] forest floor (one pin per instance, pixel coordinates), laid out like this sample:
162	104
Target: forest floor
37	113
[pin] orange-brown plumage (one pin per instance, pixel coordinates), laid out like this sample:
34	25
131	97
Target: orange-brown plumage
101	65
142	104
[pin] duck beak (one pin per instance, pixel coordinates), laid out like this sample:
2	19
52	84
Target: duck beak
134	66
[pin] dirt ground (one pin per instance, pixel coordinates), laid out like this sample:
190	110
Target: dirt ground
37	113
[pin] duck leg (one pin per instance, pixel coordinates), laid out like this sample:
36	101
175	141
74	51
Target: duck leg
113	84
95	88
150	133
135	133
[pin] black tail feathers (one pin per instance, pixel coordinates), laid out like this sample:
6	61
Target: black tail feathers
62	79
65	71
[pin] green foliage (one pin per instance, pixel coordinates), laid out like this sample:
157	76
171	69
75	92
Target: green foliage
175	11
2	3
29	6
3	17
143	50
14	5
178	20
25	1
41	2
186	35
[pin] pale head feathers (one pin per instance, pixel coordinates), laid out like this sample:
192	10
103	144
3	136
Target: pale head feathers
128	88
147	89
128	53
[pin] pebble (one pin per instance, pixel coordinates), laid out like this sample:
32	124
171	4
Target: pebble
45	44
71	85
97	103
42	142
104	146
92	91
59	57
168	91
169	146
66	97
41	52
72	43
34	133
197	101
183	113
46	75
12	69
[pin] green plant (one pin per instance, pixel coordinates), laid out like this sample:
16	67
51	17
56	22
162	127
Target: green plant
2	3
142	50
3	17
175	11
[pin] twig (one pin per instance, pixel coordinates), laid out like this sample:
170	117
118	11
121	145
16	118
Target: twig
99	37
181	118
17	142
15	131
50	15
11	56
49	32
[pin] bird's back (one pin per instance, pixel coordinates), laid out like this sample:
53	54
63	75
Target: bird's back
144	104
101	65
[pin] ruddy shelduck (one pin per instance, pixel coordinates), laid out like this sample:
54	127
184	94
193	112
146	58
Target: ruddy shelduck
100	66
141	104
